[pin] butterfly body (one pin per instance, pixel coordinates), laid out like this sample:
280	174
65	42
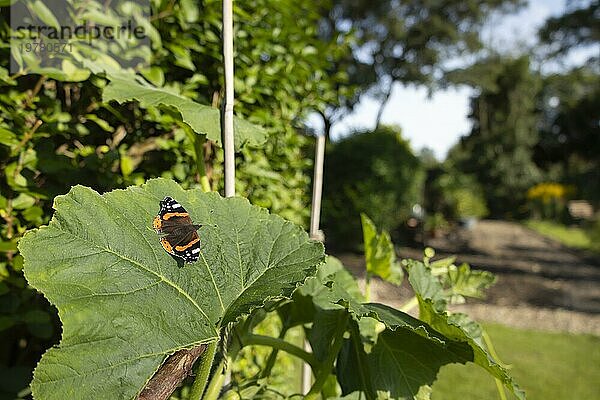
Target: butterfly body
178	234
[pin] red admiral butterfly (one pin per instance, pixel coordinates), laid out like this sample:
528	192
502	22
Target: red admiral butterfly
178	233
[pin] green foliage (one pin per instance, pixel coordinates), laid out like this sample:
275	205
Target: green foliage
360	349
469	204
569	133
398	352
577	27
380	255
370	360
499	149
202	119
369	172
124	303
57	132
457	282
435	223
453	194
328	301
432	303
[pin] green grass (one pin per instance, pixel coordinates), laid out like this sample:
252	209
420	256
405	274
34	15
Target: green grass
548	366
570	236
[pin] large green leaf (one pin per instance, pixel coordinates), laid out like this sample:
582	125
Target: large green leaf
201	118
400	361
125	304
321	300
454	326
333	287
380	256
406	357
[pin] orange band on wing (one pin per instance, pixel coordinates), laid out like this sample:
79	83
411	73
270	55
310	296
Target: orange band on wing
169	215
187	246
157	224
166	245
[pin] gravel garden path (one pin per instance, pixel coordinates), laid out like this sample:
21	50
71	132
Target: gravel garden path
540	283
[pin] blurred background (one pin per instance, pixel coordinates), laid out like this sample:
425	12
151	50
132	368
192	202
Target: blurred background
469	126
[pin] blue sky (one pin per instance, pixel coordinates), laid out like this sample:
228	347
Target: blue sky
438	121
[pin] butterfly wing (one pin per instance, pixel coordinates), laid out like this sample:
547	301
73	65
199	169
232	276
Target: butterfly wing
180	238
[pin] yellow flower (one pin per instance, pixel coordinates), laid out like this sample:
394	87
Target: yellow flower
549	191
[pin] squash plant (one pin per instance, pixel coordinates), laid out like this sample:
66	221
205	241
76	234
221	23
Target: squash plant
127	307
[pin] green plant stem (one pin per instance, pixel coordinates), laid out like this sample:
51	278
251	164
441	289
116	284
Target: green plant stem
199	141
273	356
203	371
492	350
409	305
261	340
327	366
500	388
216	382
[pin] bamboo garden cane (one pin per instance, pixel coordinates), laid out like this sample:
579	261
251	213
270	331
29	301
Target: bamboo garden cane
315	215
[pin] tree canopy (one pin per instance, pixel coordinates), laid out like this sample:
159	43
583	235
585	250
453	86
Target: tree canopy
578	26
499	149
407	41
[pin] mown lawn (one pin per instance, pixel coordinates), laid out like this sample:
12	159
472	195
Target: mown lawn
548	366
571	236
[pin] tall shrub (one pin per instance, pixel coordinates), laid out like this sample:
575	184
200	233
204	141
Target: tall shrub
499	149
370	172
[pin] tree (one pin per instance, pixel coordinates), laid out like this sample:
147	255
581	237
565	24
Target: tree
579	26
499	149
369	172
570	102
569	133
405	41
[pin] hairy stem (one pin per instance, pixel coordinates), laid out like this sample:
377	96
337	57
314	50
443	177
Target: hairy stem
492	350
216	382
203	371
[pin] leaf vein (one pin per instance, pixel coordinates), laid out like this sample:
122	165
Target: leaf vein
143	267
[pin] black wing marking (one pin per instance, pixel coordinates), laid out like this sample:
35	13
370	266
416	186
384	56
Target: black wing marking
189	248
170	205
178	231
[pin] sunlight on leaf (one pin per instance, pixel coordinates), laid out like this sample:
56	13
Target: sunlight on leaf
454	326
124	303
201	118
380	255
